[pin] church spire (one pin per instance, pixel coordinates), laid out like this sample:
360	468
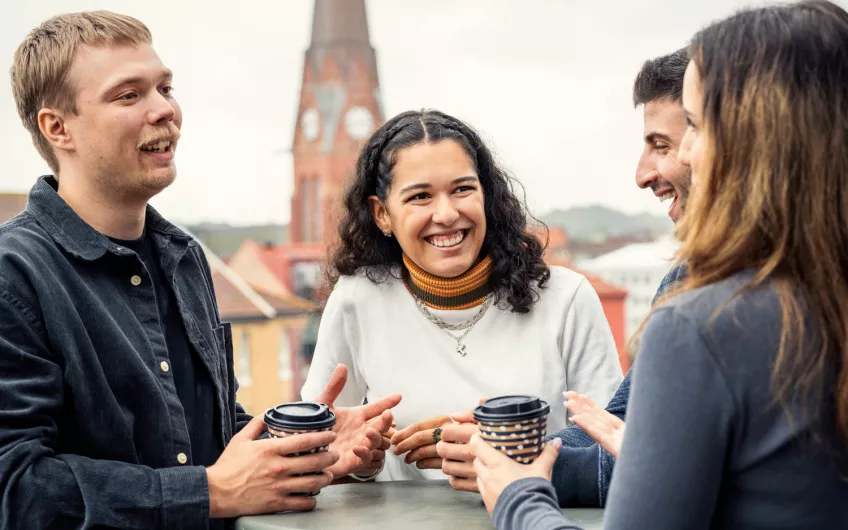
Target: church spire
339	22
339	109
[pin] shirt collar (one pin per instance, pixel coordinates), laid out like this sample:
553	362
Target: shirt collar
76	236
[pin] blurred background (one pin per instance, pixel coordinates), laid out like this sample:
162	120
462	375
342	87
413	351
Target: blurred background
278	97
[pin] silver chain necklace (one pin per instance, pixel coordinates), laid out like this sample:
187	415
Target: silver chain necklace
468	325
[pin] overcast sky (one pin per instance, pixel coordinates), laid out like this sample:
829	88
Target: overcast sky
547	82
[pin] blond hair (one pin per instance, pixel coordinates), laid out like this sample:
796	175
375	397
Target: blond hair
772	193
43	61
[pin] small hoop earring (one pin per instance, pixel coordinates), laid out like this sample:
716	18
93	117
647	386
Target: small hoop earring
387	234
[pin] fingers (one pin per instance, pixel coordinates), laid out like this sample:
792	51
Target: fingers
545	462
589	426
363	453
405	433
574	404
250	431
373	438
595	426
580	403
371	467
429	423
387	437
416	440
334	387
376	408
466	416
454	451
607	433
485	453
594	420
480	486
614	421
383	422
459	469
296	465
297	504
464	484
299	443
458	433
480	469
430	463
426	451
305	484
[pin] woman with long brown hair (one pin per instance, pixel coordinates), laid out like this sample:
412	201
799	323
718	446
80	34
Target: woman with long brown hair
739	410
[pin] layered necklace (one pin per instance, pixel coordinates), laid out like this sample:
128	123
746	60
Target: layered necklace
471	289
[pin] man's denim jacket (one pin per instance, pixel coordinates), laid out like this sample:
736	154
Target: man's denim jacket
92	433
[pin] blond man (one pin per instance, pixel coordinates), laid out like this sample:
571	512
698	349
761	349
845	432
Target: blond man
118	392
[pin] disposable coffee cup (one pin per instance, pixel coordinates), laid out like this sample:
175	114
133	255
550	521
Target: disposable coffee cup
291	419
514	425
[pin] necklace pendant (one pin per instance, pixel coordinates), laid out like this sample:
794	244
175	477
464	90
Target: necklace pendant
460	349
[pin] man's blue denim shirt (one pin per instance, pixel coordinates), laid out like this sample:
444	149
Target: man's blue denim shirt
92	432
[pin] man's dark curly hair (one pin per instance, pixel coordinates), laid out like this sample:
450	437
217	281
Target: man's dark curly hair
518	268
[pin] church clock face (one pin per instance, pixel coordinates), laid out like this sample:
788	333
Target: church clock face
310	124
359	122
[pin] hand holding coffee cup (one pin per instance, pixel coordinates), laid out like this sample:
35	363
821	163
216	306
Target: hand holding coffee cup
496	471
291	419
456	453
514	425
255	476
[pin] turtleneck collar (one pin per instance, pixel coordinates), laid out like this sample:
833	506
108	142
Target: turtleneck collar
463	292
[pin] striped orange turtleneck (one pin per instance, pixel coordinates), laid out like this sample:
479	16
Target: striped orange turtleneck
463	292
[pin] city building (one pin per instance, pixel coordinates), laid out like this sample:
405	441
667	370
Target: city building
639	268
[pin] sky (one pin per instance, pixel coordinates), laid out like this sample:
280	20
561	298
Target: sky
546	82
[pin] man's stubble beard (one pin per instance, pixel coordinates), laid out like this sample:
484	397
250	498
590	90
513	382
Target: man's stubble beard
141	186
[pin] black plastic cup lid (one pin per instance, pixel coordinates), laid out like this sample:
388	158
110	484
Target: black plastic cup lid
301	415
511	408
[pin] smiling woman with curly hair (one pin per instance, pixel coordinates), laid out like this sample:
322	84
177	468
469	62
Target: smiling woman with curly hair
440	292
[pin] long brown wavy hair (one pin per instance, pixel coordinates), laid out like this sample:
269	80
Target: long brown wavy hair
773	192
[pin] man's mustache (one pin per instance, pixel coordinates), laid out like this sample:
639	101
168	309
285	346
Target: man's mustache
171	133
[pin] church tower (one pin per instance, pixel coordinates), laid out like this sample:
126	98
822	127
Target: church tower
339	109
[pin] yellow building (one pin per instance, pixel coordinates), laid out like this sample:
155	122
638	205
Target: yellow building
268	334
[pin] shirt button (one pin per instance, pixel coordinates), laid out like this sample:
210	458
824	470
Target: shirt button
182	458
164	366
136	280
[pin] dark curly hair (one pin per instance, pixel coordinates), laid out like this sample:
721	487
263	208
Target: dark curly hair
518	268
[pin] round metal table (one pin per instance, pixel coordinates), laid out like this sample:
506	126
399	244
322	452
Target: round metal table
430	505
